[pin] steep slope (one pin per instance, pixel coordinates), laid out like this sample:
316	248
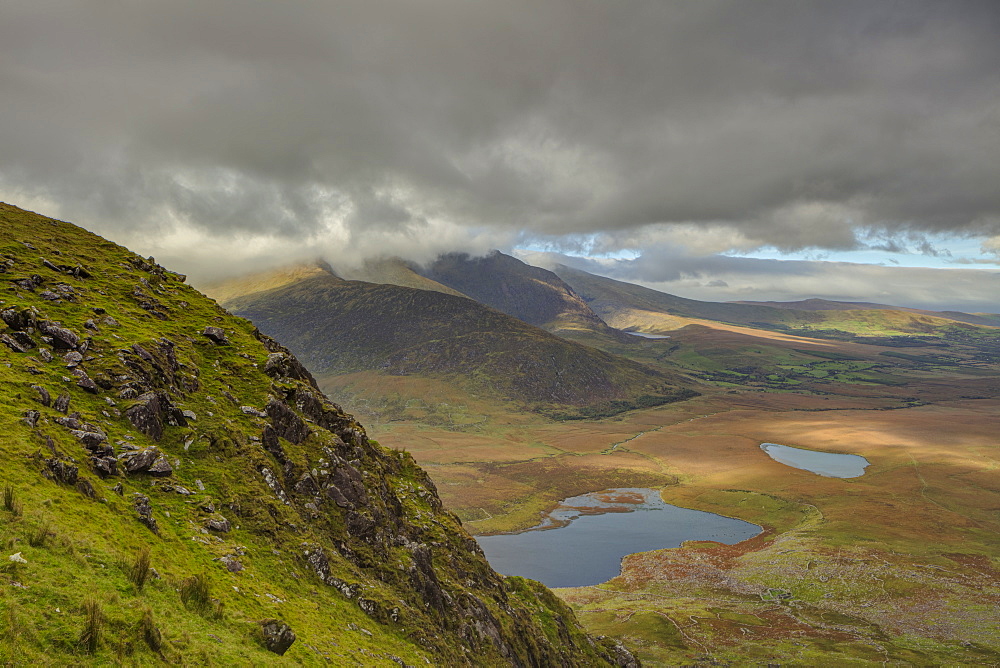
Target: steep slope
339	327
634	307
176	489
536	296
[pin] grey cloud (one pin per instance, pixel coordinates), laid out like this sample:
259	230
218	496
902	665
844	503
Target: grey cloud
722	278
799	123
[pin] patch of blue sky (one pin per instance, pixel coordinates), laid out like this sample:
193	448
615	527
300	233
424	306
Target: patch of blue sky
949	253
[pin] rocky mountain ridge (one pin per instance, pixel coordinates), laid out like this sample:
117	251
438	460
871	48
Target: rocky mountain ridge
177	488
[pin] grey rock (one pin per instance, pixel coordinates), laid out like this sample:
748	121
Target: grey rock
139	461
147	415
31	418
44	398
218	524
62	338
11	343
62	403
145	511
104	466
160	468
18	320
277	635
250	410
287	424
70	422
72	359
85	487
216	335
232	564
45	354
93	440
88	384
62	471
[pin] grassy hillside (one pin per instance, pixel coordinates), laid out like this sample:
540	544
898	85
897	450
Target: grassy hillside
536	296
176	490
637	308
340	327
827	305
395	271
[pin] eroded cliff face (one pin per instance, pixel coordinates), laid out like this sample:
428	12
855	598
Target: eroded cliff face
136	413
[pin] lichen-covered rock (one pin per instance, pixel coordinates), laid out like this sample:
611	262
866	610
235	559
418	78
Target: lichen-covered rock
144	510
62	471
62	403
218	524
139	461
277	635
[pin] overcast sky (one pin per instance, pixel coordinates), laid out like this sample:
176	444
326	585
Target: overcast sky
670	135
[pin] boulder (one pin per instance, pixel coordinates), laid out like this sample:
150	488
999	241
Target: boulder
62	338
94	440
232	564
160	468
216	335
145	511
62	403
139	461
104	466
62	471
147	415
31	418
218	524
12	343
277	635
18	320
44	398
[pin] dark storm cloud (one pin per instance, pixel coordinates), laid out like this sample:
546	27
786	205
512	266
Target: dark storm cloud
797	123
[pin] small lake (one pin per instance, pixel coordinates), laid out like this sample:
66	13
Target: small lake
829	464
583	540
648	336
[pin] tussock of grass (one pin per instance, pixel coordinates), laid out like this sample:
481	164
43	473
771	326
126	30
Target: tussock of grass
40	535
148	631
138	570
93	626
10	501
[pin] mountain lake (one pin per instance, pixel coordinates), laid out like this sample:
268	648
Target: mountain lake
648	336
583	540
829	464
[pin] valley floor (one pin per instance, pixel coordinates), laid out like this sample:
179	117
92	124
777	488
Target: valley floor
899	566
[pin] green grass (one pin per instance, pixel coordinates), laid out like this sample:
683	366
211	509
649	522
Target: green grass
99	587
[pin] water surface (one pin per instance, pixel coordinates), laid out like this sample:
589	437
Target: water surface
829	464
648	336
582	542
